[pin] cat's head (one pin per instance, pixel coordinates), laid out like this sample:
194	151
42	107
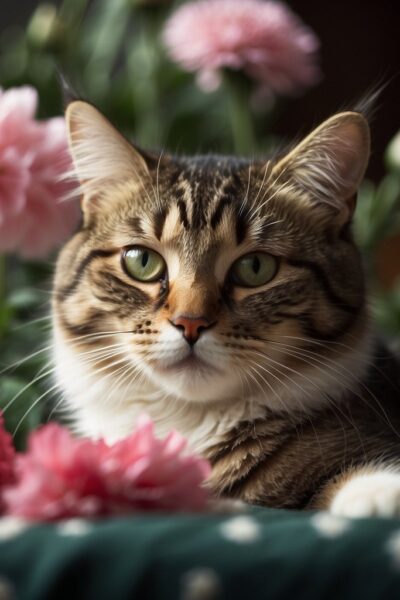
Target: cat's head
210	277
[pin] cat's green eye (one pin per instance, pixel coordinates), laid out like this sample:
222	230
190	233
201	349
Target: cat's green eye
143	264
254	269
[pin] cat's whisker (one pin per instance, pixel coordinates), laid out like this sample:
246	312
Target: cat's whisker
277	378
335	405
329	345
126	376
25	324
298	373
363	359
278	397
254	200
258	366
257	210
324	344
26	387
160	208
325	361
56	408
20	362
110	366
33	405
95	336
254	378
125	368
267	189
98	357
286	408
95	351
244	201
341	370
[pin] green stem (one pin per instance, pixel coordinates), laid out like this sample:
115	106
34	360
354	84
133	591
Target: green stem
3	289
73	10
241	121
105	34
147	54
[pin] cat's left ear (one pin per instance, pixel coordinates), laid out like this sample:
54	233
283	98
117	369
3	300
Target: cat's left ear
327	167
101	154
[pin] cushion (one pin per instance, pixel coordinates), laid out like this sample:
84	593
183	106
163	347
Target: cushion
258	554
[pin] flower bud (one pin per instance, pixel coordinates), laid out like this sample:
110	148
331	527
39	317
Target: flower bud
45	29
392	155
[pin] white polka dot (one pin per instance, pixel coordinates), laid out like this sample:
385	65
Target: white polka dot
7	590
393	547
10	527
228	506
241	529
329	525
201	584
73	527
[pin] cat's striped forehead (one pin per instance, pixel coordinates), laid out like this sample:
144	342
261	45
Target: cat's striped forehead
196	198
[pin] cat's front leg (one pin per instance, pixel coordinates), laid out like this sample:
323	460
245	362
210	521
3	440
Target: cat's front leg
366	492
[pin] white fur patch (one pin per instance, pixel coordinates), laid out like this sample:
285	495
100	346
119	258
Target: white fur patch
7	590
329	525
369	495
393	548
10	527
243	529
201	584
226	506
73	527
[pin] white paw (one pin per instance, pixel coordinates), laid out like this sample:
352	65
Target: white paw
367	495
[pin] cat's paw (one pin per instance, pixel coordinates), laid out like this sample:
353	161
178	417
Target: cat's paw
369	495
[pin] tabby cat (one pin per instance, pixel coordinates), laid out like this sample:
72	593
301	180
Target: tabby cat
226	298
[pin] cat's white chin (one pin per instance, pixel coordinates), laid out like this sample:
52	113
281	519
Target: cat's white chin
190	362
193	379
198	374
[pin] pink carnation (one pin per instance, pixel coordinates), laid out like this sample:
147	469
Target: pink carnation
7	459
266	40
33	155
61	476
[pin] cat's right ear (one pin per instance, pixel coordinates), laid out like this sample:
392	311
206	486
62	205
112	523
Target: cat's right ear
101	155
326	168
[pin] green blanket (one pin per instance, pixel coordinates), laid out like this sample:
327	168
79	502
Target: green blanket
260	554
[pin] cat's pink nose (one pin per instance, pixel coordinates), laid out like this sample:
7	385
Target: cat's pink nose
191	327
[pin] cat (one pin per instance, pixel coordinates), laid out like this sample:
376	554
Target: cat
226	298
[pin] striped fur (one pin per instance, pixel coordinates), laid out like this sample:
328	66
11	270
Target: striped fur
281	392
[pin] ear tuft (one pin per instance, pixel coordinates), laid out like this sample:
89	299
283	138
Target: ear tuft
329	164
101	154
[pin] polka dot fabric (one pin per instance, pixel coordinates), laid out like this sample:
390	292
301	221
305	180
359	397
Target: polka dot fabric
258	554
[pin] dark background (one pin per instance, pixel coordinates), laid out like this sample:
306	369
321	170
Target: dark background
360	48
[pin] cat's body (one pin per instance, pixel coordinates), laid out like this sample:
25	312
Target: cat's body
250	334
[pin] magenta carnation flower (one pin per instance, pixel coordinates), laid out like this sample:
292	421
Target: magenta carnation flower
7	459
265	40
61	476
33	155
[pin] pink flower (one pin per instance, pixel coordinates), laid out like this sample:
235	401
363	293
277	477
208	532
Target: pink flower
7	459
61	476
33	155
266	40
